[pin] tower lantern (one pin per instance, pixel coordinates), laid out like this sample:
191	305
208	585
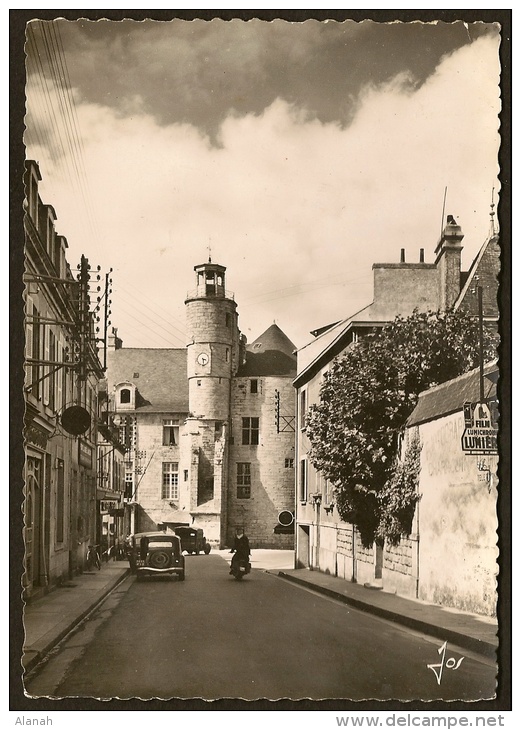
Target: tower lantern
210	280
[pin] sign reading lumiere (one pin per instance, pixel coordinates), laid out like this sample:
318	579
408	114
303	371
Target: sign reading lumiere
480	434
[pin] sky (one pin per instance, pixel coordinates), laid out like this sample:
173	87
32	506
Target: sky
295	154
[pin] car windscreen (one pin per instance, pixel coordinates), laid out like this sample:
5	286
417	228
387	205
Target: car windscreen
153	544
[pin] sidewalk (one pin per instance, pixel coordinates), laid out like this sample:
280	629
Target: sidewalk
466	630
49	618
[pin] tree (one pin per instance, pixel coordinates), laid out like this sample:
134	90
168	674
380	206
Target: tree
365	400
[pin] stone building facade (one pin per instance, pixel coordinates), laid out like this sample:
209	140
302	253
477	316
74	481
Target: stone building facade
323	541
204	446
62	372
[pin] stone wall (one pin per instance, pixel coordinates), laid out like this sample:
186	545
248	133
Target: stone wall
272	481
457	520
404	287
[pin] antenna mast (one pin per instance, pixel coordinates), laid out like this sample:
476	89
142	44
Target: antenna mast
443	211
492	221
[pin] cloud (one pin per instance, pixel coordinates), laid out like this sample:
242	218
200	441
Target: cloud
200	72
298	209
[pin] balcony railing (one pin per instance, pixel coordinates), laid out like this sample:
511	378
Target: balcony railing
206	291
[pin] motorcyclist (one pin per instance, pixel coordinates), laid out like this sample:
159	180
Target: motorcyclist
241	549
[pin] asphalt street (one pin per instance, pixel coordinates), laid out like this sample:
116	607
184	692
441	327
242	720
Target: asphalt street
212	637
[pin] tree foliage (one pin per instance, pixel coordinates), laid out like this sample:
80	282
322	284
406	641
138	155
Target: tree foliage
365	400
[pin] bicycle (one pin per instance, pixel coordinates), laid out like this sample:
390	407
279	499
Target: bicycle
93	558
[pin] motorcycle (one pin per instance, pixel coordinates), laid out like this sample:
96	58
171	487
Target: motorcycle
241	568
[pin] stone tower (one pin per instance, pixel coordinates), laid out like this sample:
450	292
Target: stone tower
212	361
213	348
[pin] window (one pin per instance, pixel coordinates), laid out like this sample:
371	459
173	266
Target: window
129	485
57	254
228	319
52	374
288	463
303	481
36	353
124	395
302	409
328	492
170	432
243	481
60	500
250	431
254	386
227	354
169	488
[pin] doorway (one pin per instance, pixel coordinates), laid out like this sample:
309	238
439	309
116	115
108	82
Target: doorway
303	547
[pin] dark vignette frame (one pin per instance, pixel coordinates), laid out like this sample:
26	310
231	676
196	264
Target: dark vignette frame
17	700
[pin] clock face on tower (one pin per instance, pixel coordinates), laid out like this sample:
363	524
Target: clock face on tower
203	358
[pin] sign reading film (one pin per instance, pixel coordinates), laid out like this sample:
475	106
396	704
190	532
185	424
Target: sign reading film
480	434
108	505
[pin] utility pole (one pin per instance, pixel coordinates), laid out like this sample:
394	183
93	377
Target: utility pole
106	322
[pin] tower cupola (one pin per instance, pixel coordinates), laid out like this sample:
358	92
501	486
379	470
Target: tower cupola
210	280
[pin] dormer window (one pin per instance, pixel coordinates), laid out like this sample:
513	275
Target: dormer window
125	396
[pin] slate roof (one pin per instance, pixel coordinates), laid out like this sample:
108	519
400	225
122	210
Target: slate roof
159	375
449	397
272	353
484	269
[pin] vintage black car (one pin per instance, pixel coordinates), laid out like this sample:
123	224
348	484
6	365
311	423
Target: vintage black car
192	540
156	553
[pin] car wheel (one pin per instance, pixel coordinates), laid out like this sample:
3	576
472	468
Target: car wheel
159	559
207	549
181	576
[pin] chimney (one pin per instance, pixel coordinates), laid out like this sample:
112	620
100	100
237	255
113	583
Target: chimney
448	263
422	255
402	256
113	341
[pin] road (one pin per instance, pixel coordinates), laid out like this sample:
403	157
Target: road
212	637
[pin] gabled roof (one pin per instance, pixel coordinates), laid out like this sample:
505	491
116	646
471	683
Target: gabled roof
335	339
159	375
449	397
273	353
485	271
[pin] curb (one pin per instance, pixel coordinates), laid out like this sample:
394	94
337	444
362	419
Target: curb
484	648
31	657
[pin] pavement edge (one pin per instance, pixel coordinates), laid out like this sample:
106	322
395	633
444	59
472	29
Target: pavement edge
484	648
32	656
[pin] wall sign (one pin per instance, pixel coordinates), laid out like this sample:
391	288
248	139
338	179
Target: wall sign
85	452
480	434
107	505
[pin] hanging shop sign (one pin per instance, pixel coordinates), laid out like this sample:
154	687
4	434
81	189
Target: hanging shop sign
480	434
106	505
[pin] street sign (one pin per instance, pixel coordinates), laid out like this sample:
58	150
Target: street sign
480	434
